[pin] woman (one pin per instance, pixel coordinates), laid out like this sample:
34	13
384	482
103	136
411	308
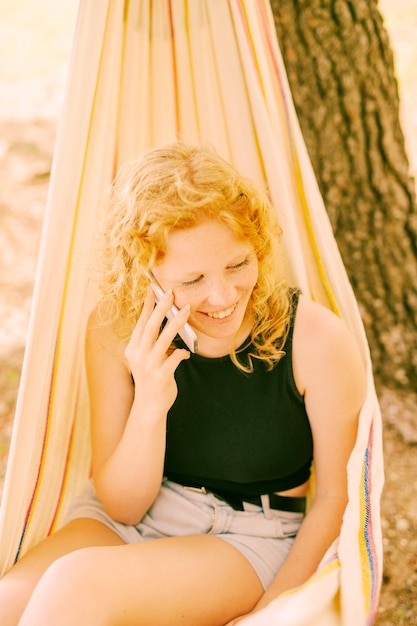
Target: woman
201	462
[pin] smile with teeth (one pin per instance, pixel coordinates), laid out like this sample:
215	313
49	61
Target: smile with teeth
219	315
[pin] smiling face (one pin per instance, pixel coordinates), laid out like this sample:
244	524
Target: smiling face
211	269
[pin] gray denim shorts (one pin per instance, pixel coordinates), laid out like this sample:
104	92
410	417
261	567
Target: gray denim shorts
264	536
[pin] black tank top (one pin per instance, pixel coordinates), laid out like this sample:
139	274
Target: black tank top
246	434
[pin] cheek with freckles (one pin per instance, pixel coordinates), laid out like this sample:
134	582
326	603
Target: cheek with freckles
185	296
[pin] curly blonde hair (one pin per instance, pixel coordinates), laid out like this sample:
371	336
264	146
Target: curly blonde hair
175	187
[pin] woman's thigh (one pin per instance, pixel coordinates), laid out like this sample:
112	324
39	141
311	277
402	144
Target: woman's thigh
18	584
196	580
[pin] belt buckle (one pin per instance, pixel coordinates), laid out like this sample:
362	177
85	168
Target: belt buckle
195	489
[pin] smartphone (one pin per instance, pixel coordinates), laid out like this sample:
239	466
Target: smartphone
186	332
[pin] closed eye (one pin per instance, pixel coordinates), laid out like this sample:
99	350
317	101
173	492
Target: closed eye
195	281
232	268
238	266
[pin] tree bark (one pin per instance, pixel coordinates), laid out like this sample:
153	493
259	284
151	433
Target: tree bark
340	68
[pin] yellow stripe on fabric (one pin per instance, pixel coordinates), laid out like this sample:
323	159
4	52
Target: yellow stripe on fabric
123	53
58	508
367	580
60	322
174	69
310	230
55	372
245	22
252	46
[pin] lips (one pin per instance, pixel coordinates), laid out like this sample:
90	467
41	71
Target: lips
220	315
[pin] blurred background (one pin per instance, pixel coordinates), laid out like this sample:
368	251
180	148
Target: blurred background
35	44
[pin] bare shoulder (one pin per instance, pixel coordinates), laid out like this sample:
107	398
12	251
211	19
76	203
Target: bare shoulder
330	372
324	347
318	326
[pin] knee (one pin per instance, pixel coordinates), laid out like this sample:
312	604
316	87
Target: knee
64	588
68	574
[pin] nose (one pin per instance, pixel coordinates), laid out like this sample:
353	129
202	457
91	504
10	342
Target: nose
222	293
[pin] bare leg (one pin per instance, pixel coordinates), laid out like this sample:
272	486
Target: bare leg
18	584
198	580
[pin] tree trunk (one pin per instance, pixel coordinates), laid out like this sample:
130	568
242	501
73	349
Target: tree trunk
340	68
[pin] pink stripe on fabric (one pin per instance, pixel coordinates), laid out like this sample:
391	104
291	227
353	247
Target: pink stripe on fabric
41	463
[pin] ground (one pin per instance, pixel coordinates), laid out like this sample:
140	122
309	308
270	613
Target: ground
26	147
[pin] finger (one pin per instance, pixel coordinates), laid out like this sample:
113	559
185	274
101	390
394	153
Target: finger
147	309
171	329
175	358
153	325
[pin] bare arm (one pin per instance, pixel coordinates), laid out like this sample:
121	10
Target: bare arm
330	373
128	421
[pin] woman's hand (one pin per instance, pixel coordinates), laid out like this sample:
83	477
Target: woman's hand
128	423
151	361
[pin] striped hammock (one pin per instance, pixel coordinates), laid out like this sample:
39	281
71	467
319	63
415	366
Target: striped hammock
141	74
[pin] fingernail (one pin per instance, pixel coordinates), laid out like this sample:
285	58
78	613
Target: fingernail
185	310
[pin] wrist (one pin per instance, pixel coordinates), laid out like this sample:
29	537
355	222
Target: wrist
147	413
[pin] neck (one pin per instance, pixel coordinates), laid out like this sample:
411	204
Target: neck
212	347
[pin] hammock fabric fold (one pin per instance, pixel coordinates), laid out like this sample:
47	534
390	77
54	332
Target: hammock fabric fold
142	74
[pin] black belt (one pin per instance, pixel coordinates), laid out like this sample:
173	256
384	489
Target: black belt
290	504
